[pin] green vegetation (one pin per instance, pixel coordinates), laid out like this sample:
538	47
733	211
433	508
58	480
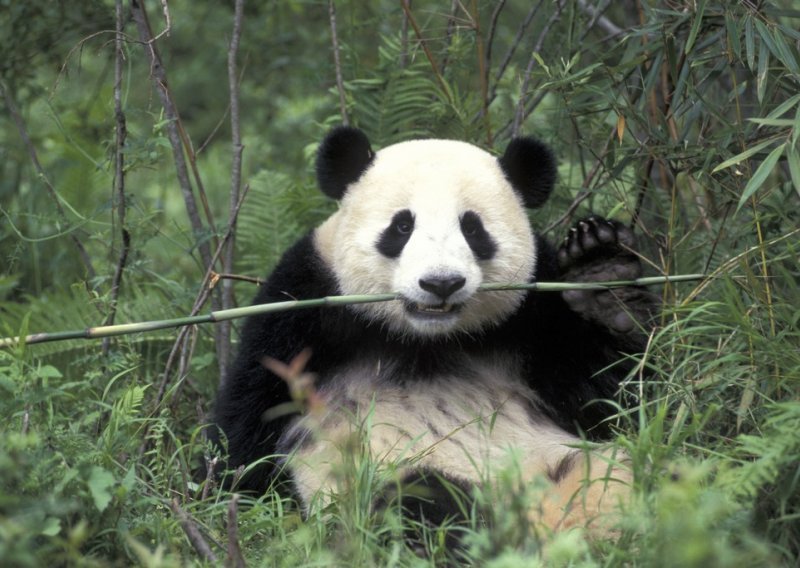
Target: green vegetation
681	118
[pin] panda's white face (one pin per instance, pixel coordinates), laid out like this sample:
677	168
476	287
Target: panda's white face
430	220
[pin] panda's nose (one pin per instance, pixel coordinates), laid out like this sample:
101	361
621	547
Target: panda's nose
442	287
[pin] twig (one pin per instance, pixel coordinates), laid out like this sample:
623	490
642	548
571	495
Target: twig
490	37
338	64
448	34
427	51
483	69
119	172
193	533
23	133
179	142
224	331
211	466
159	75
235	558
513	48
521	114
202	297
326	302
215	277
597	16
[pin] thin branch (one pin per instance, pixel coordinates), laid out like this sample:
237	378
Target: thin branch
235	558
23	133
119	171
427	51
520	115
338	64
448	34
513	48
483	70
602	21
193	533
490	37
206	287
216	276
326	302
211	466
159	75
228	254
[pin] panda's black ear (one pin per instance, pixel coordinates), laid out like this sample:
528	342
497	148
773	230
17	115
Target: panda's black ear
531	168
343	156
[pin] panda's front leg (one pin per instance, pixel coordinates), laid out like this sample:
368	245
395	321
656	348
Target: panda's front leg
598	250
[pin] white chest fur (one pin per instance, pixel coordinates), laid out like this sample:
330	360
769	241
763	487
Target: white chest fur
468	428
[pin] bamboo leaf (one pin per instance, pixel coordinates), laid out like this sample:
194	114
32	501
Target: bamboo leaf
777	46
772	121
733	34
750	43
793	157
763	67
738	158
698	19
760	175
784	106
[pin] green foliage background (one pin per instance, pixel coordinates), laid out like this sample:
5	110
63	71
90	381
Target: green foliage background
685	123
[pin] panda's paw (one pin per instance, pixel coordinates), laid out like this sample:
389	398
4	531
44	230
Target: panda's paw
601	250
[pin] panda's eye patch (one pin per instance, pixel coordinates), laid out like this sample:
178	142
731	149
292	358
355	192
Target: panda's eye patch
394	237
478	239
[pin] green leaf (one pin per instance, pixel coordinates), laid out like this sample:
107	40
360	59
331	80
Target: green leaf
733	32
52	526
784	106
49	372
750	43
793	157
743	156
763	67
99	483
698	19
760	175
777	45
772	121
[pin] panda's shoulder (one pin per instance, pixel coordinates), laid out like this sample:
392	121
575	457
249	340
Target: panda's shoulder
300	274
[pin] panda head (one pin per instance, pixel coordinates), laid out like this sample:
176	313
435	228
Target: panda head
431	220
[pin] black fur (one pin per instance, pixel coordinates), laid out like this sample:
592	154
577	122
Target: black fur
429	499
530	167
343	157
396	235
478	239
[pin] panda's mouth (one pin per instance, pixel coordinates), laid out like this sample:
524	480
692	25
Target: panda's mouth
431	311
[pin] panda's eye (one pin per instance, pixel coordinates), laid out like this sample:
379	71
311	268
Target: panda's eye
403	227
478	239
396	234
469	230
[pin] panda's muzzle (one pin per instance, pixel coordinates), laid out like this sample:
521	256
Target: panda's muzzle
443	288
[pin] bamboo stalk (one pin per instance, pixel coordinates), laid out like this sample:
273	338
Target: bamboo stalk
326	302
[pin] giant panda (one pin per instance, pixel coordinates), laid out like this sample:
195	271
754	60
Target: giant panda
446	382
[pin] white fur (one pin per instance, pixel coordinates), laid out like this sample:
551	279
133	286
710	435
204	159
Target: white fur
438	180
470	428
